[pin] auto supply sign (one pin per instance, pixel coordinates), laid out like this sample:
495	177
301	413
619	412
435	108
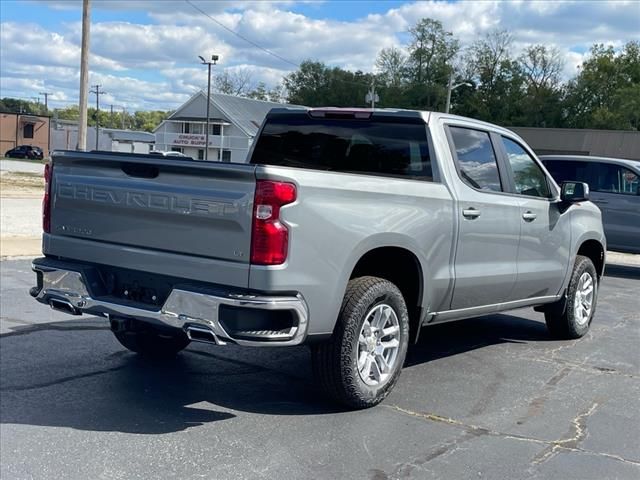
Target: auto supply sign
190	139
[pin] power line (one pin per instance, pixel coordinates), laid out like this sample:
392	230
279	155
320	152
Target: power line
266	50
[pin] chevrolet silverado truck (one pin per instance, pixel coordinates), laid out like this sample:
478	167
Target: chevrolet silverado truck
349	230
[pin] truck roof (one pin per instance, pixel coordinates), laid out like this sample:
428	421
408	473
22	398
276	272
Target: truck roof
426	115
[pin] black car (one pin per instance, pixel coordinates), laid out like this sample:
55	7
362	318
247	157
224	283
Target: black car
25	151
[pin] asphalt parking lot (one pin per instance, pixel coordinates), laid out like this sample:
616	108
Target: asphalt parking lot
487	398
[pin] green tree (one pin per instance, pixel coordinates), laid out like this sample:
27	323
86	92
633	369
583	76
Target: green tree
500	91
606	92
541	67
391	64
259	93
431	52
148	120
15	105
236	82
314	84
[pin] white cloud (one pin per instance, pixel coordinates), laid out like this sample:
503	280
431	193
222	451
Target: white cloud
154	46
154	64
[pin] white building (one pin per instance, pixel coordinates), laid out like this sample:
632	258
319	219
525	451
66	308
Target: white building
233	124
64	136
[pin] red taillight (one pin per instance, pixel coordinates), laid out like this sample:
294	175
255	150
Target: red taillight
46	200
269	237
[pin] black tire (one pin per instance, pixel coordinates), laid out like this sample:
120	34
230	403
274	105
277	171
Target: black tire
562	321
335	362
150	342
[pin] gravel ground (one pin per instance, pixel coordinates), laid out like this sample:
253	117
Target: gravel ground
491	398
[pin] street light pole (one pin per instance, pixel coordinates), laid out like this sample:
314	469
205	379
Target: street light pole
451	88
214	59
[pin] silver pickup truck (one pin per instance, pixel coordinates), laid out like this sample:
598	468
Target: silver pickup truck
348	230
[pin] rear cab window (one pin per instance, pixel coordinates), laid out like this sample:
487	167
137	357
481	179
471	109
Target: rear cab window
372	146
476	159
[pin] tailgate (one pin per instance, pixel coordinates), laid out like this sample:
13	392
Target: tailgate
176	206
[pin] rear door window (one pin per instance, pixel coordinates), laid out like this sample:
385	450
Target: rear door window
476	158
375	147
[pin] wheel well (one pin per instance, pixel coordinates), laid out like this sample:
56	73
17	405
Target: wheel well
400	267
594	250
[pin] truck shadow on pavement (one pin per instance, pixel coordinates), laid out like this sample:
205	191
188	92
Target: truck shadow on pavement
622	271
82	378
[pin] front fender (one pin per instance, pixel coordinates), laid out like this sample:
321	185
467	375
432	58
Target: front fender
586	224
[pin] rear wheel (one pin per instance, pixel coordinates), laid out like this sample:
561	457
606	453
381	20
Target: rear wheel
362	361
572	316
147	340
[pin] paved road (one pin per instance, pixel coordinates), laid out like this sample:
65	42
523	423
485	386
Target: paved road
487	398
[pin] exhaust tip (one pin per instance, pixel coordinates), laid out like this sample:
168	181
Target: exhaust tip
201	334
64	306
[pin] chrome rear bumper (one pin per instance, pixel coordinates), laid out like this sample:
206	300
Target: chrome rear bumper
66	290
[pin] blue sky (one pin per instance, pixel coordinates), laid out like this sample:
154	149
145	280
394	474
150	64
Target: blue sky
144	53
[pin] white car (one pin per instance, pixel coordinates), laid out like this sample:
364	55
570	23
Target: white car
168	154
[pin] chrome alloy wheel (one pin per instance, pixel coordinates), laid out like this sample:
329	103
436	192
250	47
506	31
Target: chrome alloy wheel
378	345
583	301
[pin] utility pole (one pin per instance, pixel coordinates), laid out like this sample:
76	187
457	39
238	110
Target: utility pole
98	92
214	59
46	100
111	116
46	111
124	113
84	76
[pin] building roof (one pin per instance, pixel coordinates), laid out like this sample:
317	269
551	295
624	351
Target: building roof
181	118
23	114
246	113
129	135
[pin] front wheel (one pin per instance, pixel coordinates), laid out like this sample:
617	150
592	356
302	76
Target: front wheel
571	317
148	341
362	361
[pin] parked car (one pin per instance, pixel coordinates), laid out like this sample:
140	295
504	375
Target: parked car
348	230
25	151
613	183
168	154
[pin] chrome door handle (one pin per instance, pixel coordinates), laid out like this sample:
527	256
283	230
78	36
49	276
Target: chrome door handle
529	216
471	212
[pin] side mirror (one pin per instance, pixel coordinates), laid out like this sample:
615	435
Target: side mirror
574	192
